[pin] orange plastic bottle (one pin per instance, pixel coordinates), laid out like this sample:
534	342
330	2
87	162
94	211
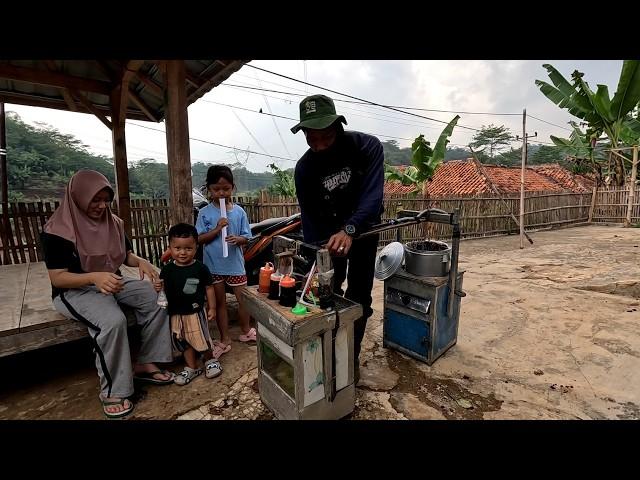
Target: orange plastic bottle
265	277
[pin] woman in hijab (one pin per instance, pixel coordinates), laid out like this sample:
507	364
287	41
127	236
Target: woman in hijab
84	246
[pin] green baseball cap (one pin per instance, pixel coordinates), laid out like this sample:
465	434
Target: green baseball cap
317	112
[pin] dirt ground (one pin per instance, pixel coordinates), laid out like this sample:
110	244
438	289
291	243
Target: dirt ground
548	332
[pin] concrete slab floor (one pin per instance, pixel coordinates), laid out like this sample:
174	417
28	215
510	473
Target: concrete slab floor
551	332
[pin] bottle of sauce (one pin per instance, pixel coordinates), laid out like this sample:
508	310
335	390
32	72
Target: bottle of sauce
265	277
274	286
287	291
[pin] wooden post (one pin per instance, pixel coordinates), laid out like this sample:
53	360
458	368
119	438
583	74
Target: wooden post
4	184
177	132
632	186
593	201
524	161
3	157
496	191
119	100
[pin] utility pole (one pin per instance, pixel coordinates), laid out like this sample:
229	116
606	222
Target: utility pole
632	186
522	172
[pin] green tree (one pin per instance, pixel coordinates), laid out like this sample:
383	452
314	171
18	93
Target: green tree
285	184
457	153
152	176
199	173
246	181
612	117
546	154
394	155
494	137
41	159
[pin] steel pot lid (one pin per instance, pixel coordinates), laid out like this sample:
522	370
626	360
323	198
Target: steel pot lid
389	260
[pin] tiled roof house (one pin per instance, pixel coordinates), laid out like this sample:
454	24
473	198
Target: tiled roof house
466	177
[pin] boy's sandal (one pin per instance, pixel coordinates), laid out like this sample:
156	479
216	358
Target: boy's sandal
186	375
249	337
212	368
219	349
121	414
149	377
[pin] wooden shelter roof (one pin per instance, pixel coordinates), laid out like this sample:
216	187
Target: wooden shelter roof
85	85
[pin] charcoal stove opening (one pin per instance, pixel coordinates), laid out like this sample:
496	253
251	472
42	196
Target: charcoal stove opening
427	246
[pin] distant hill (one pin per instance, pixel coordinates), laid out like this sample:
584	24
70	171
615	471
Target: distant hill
41	160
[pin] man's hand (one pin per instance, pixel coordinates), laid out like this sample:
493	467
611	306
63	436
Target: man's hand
236	240
211	314
339	244
108	283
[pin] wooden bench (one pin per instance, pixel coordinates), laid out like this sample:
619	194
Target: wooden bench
27	317
28	320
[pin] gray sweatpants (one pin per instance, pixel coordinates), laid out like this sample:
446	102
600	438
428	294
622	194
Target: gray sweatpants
107	326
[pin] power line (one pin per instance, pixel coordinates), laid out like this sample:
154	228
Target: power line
273	119
304	63
540	141
372	103
465	112
422	124
219	144
372	113
358	98
364	103
461	111
549	123
249	132
248	110
130	147
291	118
413	124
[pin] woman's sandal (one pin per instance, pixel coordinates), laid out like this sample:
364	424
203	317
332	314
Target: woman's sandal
186	375
219	349
121	414
149	377
249	337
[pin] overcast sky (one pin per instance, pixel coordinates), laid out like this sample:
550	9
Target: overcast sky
496	86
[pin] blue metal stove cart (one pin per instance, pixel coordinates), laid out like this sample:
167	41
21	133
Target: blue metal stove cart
421	315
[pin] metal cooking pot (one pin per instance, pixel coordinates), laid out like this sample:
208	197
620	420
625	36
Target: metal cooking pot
427	258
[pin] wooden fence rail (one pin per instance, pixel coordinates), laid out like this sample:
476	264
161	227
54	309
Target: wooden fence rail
21	223
612	203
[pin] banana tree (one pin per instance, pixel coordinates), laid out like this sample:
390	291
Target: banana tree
581	149
424	160
611	116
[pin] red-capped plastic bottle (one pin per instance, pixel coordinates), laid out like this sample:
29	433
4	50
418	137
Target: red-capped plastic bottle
265	277
288	291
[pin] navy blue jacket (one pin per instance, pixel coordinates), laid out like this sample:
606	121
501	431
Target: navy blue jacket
341	185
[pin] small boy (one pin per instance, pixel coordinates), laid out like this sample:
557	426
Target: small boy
186	281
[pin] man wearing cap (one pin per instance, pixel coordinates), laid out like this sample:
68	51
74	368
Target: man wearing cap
339	184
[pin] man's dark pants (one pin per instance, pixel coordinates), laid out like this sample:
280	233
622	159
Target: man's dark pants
362	257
